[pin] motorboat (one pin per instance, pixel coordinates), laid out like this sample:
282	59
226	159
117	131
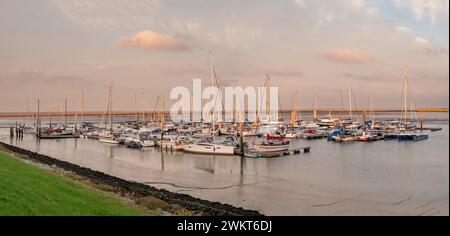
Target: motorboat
343	136
312	134
294	134
171	142
272	146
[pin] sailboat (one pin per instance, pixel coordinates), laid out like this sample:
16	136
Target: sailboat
372	132
61	131
274	140
293	131
107	136
348	132
313	130
268	127
205	146
408	128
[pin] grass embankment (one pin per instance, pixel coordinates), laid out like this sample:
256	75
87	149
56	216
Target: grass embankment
26	189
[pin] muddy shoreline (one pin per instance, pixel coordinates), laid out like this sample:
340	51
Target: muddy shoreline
137	190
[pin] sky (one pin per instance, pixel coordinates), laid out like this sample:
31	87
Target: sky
54	49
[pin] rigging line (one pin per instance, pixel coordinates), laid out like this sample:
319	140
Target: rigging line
75	122
279	108
154	109
218	86
106	111
298	108
353	99
218	90
411	100
241	103
110	108
259	109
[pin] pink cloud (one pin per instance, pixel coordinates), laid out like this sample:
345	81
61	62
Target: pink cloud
154	41
346	55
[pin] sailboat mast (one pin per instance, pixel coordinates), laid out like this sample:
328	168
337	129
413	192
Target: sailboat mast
109	107
50	120
405	92
143	107
315	109
38	120
212	85
350	101
299	112
294	109
372	113
154	110
267	97
135	108
110	112
82	106
75	121
38	123
162	117
65	113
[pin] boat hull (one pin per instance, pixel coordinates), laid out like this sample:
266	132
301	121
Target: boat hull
413	137
215	150
59	136
170	146
271	149
108	141
343	139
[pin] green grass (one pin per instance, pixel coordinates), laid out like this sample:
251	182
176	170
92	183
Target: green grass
28	190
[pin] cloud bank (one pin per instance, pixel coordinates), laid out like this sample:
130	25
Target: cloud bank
346	55
153	41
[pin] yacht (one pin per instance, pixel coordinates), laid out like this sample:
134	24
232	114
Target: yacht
206	147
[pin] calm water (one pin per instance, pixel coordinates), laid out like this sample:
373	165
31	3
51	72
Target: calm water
290	185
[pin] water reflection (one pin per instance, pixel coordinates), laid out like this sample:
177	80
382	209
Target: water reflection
205	163
162	160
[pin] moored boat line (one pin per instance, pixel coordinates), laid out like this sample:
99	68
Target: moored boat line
218	137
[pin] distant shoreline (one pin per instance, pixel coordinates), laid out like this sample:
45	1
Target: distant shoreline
282	111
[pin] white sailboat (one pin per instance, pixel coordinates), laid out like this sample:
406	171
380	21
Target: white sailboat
107	136
408	128
207	147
